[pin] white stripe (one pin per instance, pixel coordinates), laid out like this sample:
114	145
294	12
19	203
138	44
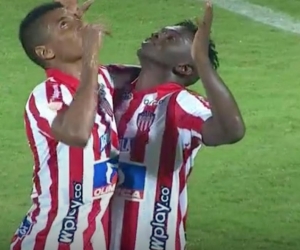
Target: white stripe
117	216
261	14
63	196
98	239
45	179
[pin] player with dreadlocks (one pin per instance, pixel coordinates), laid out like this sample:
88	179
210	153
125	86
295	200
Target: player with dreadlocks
161	126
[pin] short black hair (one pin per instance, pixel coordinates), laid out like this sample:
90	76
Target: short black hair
212	52
32	32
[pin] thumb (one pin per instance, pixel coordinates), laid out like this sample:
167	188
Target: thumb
86	5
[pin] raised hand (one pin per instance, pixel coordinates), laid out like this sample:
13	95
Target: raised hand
200	45
91	43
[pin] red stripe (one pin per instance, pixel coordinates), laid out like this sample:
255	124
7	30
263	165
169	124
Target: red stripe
104	121
190	122
130	218
129	227
182	183
36	179
42	123
75	175
89	232
106	226
33	215
96	142
168	153
114	139
107	82
127	116
138	148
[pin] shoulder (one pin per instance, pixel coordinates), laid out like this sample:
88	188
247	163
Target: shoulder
104	76
191	103
123	74
188	98
50	90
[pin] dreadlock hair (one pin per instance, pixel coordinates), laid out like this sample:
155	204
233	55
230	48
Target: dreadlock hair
212	52
32	33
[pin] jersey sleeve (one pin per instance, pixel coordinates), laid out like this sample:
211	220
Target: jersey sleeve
104	77
43	105
123	75
192	111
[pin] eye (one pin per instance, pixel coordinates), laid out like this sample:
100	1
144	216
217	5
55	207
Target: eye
170	38
63	24
154	35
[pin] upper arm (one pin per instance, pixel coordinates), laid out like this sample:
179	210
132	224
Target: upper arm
198	118
192	112
45	103
123	74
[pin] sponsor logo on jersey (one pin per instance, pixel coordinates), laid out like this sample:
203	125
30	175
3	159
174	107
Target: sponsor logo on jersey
125	144
144	120
69	225
105	177
104	141
131	183
153	102
162	209
25	227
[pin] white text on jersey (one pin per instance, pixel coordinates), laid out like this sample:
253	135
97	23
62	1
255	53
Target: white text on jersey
160	218
69	226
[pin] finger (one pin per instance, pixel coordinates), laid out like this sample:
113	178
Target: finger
103	27
86	5
208	17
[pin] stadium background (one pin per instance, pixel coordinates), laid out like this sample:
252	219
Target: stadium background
241	197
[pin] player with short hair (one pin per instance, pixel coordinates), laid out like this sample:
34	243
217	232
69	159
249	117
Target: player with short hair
161	127
71	132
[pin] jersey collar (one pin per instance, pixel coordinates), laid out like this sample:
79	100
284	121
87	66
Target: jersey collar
63	78
164	87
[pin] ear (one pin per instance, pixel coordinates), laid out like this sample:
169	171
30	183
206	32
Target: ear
44	53
183	70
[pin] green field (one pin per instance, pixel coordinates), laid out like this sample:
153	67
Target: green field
242	197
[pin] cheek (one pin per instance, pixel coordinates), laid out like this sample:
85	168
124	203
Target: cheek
72	39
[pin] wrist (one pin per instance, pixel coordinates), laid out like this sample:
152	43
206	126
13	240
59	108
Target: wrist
203	64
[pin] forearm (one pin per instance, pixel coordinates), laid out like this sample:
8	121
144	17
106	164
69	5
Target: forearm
123	75
224	108
74	125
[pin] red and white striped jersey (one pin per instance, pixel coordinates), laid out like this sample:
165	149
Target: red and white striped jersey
160	134
72	186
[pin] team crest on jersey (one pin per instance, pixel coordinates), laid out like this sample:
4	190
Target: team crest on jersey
145	120
104	104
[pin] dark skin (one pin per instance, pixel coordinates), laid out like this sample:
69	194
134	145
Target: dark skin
73	48
174	54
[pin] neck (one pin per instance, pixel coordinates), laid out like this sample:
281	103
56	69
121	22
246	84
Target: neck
152	75
74	69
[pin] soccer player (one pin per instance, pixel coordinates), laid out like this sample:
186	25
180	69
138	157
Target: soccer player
71	132
162	126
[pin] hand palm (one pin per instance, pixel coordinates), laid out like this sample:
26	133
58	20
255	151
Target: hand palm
200	44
